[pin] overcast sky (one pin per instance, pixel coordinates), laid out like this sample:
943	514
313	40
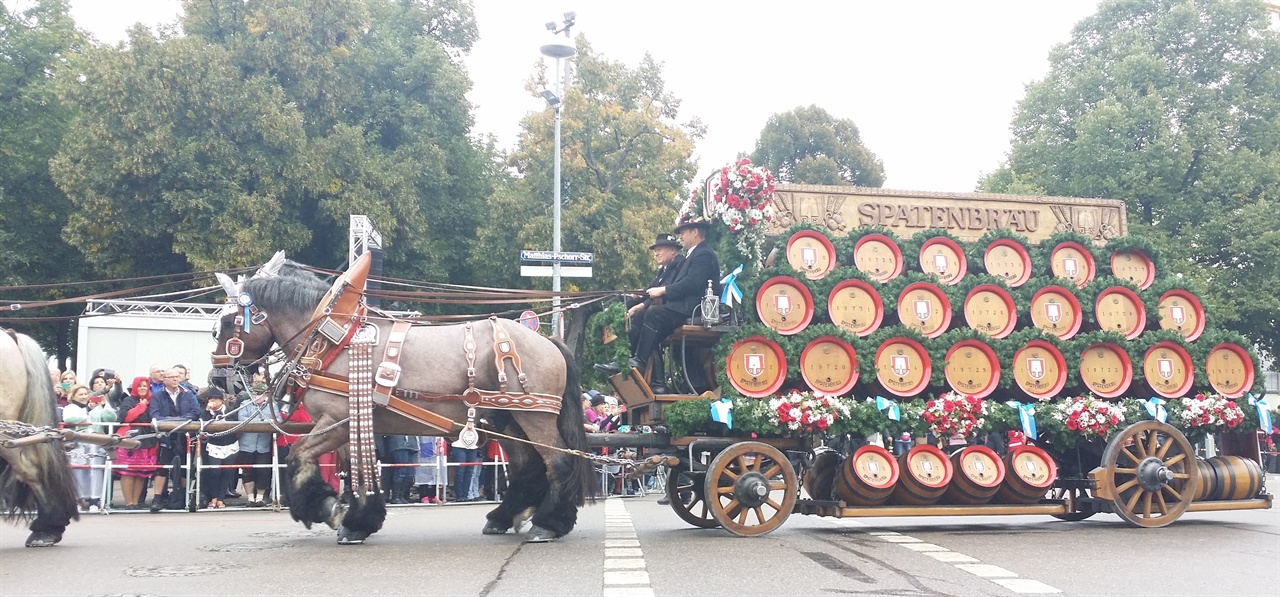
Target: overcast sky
932	84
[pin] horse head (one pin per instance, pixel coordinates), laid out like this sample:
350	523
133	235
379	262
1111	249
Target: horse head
242	332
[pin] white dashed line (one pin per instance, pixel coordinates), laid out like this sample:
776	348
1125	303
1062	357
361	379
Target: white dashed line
624	567
1005	578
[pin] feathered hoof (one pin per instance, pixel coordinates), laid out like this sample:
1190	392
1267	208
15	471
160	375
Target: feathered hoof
538	534
336	511
494	528
41	539
519	520
347	536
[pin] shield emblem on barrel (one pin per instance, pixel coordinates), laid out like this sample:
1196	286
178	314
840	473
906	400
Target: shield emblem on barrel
900	364
1165	367
754	364
1069	267
808	256
1035	367
922	310
1178	315
1053	312
782	303
940	262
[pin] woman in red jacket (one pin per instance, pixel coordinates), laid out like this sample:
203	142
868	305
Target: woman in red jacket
137	465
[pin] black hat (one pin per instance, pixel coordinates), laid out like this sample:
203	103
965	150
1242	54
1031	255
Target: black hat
664	240
701	224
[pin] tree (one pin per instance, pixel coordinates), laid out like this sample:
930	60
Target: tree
1174	107
810	146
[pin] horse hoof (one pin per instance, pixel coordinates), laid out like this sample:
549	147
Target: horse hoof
493	528
538	534
347	536
336	511
519	520
43	539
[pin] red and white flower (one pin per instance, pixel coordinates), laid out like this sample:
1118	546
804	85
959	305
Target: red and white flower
1211	411
1089	415
806	412
954	414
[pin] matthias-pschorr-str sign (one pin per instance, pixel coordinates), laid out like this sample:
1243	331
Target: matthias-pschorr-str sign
561	256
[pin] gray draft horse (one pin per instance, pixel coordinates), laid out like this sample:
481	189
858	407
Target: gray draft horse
545	485
33	478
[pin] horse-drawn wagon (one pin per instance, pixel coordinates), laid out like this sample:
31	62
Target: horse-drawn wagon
943	320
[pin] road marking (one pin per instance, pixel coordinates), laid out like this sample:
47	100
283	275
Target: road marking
624	567
1005	578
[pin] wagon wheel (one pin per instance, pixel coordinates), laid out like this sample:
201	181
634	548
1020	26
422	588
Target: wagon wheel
1077	495
685	492
751	488
1150	474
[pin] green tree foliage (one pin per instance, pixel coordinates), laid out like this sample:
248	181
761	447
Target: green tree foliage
625	159
808	145
266	125
1174	107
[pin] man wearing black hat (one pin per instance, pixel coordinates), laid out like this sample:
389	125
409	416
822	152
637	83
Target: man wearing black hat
680	296
666	252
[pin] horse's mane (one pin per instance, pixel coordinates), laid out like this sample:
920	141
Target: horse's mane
292	288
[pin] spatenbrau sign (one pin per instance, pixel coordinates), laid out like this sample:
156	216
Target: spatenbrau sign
966	215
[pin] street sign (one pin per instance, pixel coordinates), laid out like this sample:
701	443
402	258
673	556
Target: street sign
544	271
529	319
561	256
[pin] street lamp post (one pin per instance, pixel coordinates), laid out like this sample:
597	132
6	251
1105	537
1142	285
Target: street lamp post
559	51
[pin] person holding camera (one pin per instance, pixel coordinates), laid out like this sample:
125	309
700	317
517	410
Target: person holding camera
136	465
88	461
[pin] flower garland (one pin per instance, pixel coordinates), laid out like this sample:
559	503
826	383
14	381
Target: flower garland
743	202
806	412
954	414
1211	411
1089	415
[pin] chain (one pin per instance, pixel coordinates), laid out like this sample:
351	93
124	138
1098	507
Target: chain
16	429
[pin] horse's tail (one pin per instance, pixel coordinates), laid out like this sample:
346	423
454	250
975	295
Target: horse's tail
48	460
577	479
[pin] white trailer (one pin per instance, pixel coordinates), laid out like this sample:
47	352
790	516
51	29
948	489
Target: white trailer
130	336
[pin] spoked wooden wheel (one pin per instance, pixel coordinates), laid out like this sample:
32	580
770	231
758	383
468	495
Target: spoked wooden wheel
751	488
1150	474
1076	495
685	492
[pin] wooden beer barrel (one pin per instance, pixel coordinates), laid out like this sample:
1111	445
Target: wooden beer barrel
979	472
1056	310
855	307
942	257
811	252
972	368
1167	368
756	366
820	477
924	474
1029	474
1208	482
1134	266
1229	369
784	305
877	256
829	365
868	477
1182	312
903	366
1039	370
1106	370
1231	478
925	308
989	309
1073	261
1008	260
1119	309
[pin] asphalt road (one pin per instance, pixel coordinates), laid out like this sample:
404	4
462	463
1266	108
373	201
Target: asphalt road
633	546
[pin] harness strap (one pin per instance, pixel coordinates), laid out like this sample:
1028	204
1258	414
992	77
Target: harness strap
360	391
339	386
504	348
469	349
388	375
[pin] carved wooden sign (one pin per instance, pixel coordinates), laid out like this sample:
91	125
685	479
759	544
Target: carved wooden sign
966	215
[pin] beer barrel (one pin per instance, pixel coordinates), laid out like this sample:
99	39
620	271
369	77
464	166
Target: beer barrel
1056	310
877	256
855	307
1106	370
1182	312
820	476
1008	260
989	309
903	366
1133	265
868	477
1073	261
1229	478
979	472
925	473
942	257
784	305
1039	370
972	368
756	366
829	365
812	253
1167	367
1119	309
925	308
1229	369
1029	474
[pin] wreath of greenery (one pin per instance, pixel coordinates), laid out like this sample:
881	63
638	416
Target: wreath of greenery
1165	284
618	352
1200	349
1084	341
937	357
1150	305
1143	343
911	251
1132	243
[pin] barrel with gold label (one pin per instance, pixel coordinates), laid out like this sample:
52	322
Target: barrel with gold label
1228	478
811	252
855	307
1229	369
877	256
829	365
1056	310
1118	309
1029	473
925	308
972	368
1133	266
903	366
978	475
1073	261
924	474
1168	369
868	477
1182	312
943	257
990	309
1008	260
1106	369
756	366
784	305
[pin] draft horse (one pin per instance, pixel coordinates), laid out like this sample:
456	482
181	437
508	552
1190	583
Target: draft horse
35	477
435	377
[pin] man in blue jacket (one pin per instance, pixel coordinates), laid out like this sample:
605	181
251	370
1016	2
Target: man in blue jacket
172	402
